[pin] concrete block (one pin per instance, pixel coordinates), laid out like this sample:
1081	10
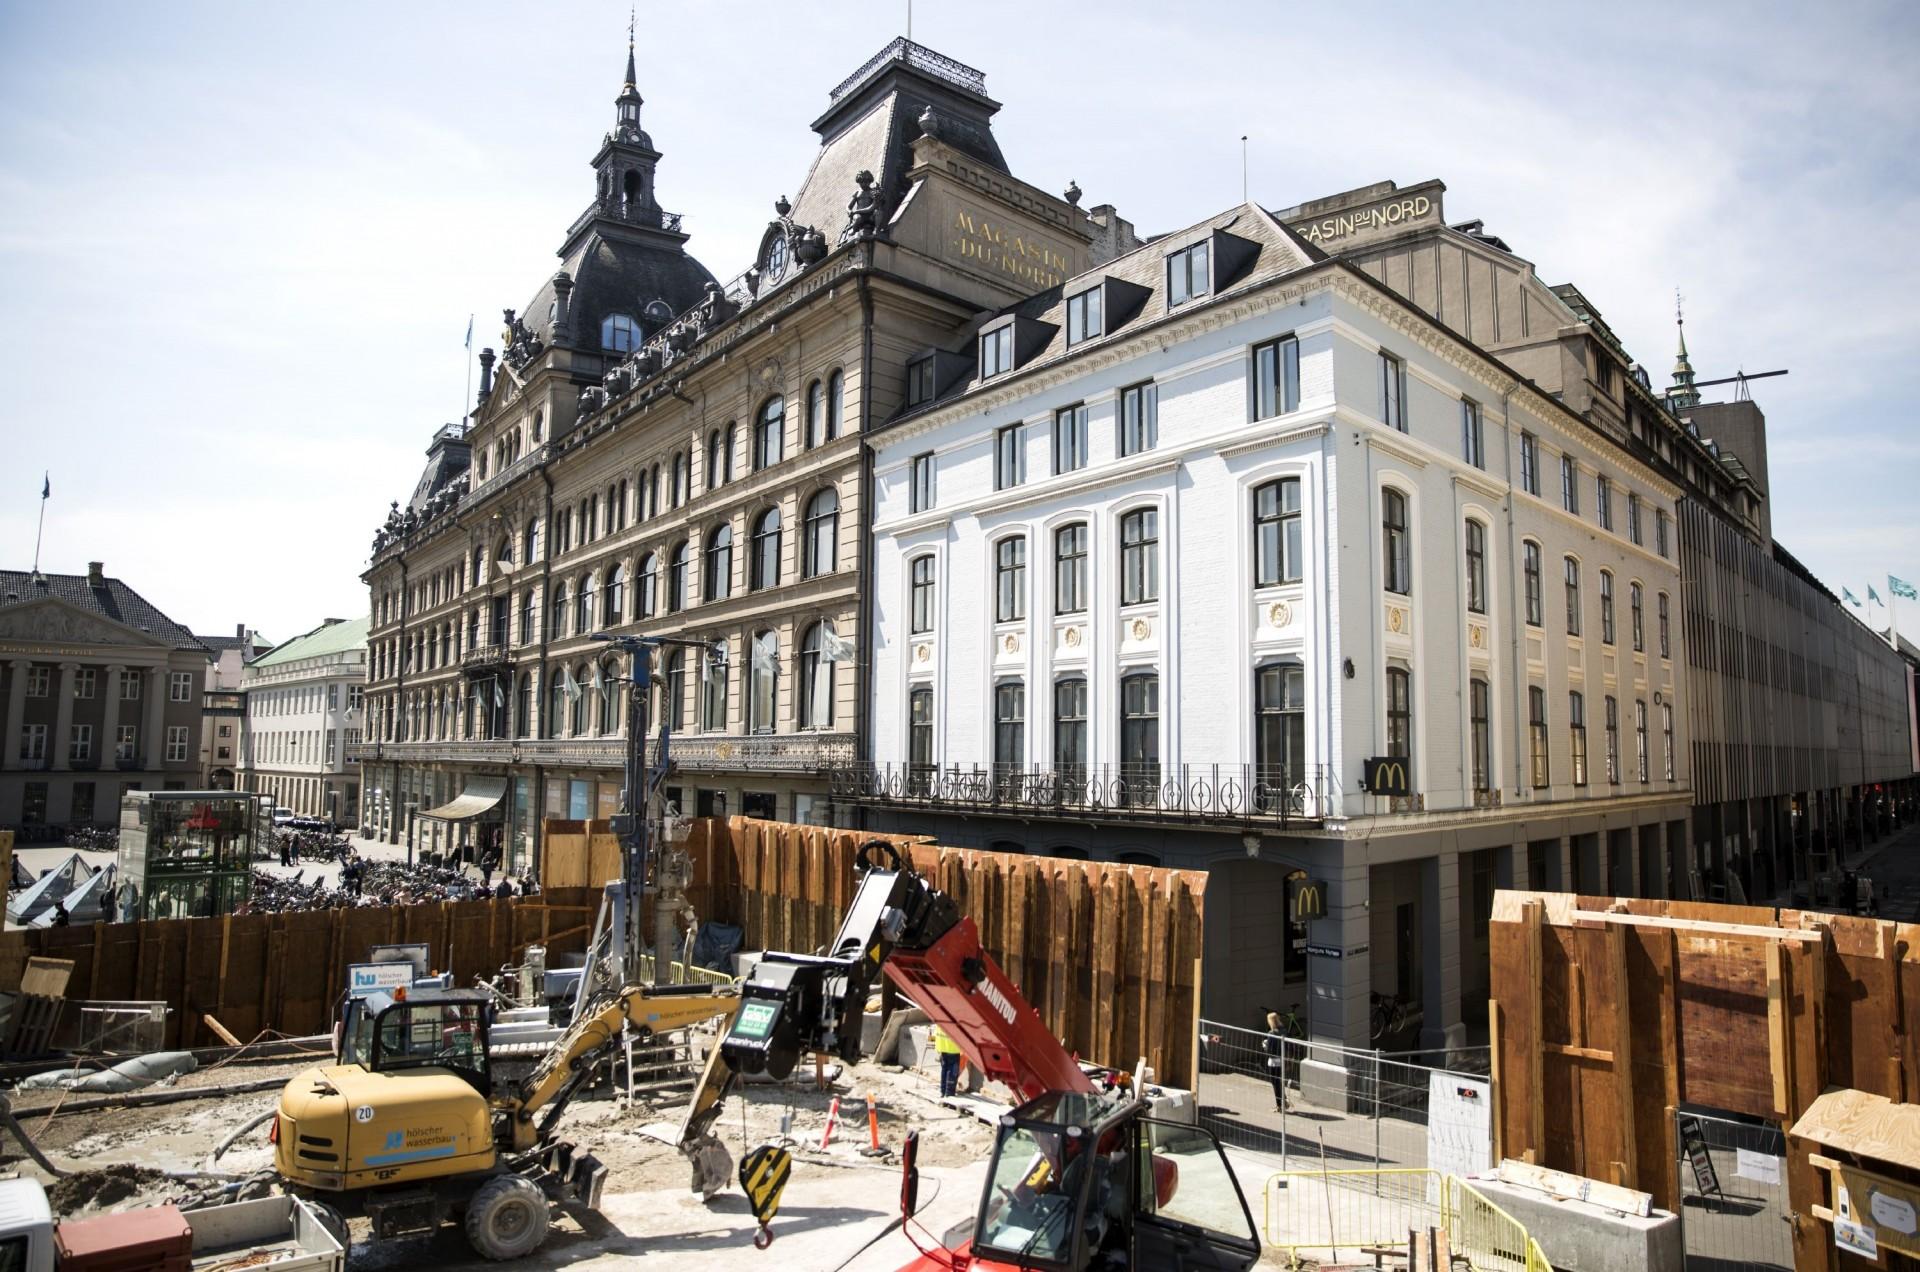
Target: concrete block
1578	1236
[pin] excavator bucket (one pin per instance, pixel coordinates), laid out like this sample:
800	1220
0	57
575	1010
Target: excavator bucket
712	1166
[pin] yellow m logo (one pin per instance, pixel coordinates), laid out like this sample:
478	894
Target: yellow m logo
1309	902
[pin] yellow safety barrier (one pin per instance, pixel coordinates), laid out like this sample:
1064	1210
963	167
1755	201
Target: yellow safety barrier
1352	1213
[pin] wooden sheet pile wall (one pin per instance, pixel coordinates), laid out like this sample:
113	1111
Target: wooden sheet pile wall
1608	1014
282	972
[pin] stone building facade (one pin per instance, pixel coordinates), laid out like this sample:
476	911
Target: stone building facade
655	453
102	694
305	710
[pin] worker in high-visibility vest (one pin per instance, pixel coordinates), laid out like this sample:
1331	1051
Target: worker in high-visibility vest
949	1052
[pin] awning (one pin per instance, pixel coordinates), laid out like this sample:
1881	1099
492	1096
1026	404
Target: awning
481	793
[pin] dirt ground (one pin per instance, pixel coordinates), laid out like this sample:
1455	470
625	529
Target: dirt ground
838	1198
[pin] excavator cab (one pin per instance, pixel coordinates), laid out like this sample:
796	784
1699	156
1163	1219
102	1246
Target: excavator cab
445	1029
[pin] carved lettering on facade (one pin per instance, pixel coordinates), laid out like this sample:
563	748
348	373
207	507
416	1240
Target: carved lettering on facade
1380	216
1034	263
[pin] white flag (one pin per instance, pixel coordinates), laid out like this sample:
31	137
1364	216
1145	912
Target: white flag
763	658
499	695
711	668
599	681
568	685
836	647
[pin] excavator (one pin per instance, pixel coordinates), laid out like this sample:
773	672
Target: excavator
409	1127
1081	1175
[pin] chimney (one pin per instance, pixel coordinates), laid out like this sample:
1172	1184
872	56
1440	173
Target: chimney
96	574
562	308
486	373
240	632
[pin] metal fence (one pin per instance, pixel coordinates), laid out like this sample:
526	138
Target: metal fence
1733	1193
1335	1216
1314	1103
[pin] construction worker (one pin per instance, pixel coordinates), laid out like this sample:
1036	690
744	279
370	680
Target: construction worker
949	1052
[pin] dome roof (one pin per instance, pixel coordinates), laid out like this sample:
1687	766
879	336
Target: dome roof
621	275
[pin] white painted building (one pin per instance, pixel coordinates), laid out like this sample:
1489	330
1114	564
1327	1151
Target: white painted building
1155	576
305	709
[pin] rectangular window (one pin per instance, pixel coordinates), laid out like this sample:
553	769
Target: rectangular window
1400	713
1569	484
1660	531
1633	517
1140	556
1083	317
1603	501
39	681
83	680
1640	737
123	741
176	743
1476	568
1070	569
1665	650
1009	458
1530	553
1139	418
1573	597
1529	464
180	686
1537	735
1613	740
1635	607
1187	275
129	686
1606	607
80	743
996	351
1069	439
1276	533
1394	542
1140	734
1276	378
919	382
1070	733
923	599
82	812
33	741
920	483
1577	735
1010	580
1480	714
1280	732
920	732
1393	392
1472	437
1010	726
1666	738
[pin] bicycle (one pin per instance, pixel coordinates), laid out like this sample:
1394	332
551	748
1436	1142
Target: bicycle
1389	1016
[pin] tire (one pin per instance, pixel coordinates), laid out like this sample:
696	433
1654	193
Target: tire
335	1223
507	1218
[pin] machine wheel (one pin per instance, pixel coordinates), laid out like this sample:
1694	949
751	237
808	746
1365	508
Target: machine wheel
334	1222
507	1218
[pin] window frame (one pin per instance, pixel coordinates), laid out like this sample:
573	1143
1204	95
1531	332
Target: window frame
1085	319
1278	551
1532	569
1070	753
1473	438
999	342
1530	463
769	433
1570	565
1474	533
1396	550
1010	579
1399	714
1009	725
1139	534
1577	734
1070	448
923	602
1540	760
1188	260
1138	417
1606	608
1393	392
920	482
1480	734
1009	456
1070	593
1276	377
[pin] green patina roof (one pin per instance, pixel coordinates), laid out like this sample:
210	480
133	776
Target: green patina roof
330	638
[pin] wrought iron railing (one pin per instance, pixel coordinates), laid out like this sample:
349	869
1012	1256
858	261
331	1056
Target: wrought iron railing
631	214
487	653
524	462
1211	793
794	753
920	58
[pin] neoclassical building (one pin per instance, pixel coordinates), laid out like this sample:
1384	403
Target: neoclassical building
103	695
304	714
655	452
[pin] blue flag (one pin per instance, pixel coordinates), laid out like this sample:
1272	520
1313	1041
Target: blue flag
1849	598
1902	589
46	486
469	333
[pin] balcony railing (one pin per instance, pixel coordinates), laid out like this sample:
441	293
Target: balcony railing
630	213
790	753
920	58
1238	794
488	656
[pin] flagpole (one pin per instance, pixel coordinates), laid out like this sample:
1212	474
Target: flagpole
46	486
468	395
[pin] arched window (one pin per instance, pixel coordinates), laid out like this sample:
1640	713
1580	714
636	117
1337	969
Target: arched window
619	333
1636	606
613	604
836	396
527	612
768	431
713	460
530	540
679	491
479	562
1530	567
678	564
523	719
823	534
557	613
653	492
726	452
765	571
1140	733
719	580
1606	607
816	679
765	682
583	617
609	696
816	410
673	691
713	692
503	551
1476	536
1010	580
649	570
576	691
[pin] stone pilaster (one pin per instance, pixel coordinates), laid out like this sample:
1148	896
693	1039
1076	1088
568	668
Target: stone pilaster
110	718
16	713
156	691
59	745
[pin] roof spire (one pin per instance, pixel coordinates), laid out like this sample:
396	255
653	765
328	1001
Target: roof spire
1681	394
632	82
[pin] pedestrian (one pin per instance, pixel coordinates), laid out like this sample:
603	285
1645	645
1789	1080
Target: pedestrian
504	889
486	870
1275	1045
285	859
949	1052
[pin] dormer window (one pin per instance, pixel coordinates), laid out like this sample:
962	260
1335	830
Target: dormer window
1187	275
1083	317
920	382
996	351
619	333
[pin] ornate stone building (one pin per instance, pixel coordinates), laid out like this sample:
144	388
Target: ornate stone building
654	452
103	694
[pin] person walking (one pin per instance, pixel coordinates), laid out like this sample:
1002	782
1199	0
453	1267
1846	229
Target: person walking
1275	1045
286	859
949	1052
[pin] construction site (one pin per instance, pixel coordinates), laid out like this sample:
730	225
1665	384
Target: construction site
1667	1084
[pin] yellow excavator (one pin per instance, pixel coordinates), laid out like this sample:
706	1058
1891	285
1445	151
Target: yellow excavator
409	1127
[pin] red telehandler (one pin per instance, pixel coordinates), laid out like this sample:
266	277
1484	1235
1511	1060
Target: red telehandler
1080	1176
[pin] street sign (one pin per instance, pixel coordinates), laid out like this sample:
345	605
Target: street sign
1324	951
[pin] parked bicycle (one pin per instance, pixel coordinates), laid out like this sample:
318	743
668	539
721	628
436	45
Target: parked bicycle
1389	1016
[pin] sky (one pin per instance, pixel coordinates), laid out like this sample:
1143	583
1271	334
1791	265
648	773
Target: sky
239	243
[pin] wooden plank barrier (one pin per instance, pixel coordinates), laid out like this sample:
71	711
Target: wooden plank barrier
1608	1014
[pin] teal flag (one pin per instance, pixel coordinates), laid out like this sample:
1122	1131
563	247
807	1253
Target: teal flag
1849	598
1873	595
1902	589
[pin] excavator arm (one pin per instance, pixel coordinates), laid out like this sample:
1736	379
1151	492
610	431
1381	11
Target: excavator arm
649	1009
